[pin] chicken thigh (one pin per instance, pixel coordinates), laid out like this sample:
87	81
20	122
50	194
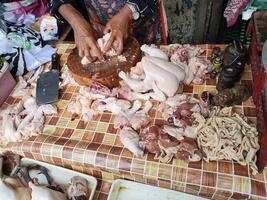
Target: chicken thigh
130	139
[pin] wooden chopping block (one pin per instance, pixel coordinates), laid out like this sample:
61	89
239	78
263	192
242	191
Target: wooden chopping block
105	72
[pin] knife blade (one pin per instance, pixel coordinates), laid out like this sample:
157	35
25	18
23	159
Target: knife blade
48	83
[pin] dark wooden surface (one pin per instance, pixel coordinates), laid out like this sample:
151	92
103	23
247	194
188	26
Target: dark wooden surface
105	72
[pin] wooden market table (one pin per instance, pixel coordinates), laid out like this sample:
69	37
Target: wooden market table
94	148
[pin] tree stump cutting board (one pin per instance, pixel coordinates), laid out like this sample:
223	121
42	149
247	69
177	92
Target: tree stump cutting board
105	72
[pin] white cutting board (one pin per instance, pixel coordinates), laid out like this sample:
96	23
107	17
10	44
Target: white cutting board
60	175
128	190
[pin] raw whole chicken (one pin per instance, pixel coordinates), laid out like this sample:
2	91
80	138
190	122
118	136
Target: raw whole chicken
130	139
165	76
154	52
102	42
137	72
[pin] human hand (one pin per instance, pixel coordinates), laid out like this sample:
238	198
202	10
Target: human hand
119	26
85	39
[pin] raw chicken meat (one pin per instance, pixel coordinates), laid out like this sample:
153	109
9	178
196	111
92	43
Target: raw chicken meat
124	92
188	151
132	117
199	68
149	139
170	67
157	94
102	42
153	136
159	72
177	133
82	106
130	139
137	72
27	85
67	79
83	102
187	58
24	119
78	188
182	115
111	104
154	52
122	119
95	91
168	143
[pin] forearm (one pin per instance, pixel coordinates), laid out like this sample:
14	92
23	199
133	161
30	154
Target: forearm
71	15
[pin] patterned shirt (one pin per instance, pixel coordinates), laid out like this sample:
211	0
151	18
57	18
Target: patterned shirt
147	29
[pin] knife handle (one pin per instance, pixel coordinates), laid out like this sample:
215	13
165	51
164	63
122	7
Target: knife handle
55	62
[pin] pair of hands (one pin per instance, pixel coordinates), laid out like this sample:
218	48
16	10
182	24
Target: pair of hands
85	37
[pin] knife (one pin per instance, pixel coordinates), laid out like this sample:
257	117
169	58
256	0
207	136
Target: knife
48	83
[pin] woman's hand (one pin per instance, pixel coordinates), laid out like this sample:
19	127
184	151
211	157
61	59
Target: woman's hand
85	37
119	26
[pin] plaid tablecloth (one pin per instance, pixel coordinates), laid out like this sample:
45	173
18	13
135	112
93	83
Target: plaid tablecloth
94	148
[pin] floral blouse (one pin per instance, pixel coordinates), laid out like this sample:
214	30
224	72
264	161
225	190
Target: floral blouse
147	29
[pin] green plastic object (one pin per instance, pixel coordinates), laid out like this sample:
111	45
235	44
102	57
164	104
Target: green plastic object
19	40
258	4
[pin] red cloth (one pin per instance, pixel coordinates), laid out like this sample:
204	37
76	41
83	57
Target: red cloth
233	9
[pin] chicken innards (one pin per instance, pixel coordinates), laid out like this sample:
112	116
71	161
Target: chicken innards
192	129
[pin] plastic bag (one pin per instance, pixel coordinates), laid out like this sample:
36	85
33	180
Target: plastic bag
22	48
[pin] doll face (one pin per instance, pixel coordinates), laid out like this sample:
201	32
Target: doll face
50	29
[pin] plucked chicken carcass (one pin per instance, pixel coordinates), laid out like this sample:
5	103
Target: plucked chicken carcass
154	52
130	139
165	75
